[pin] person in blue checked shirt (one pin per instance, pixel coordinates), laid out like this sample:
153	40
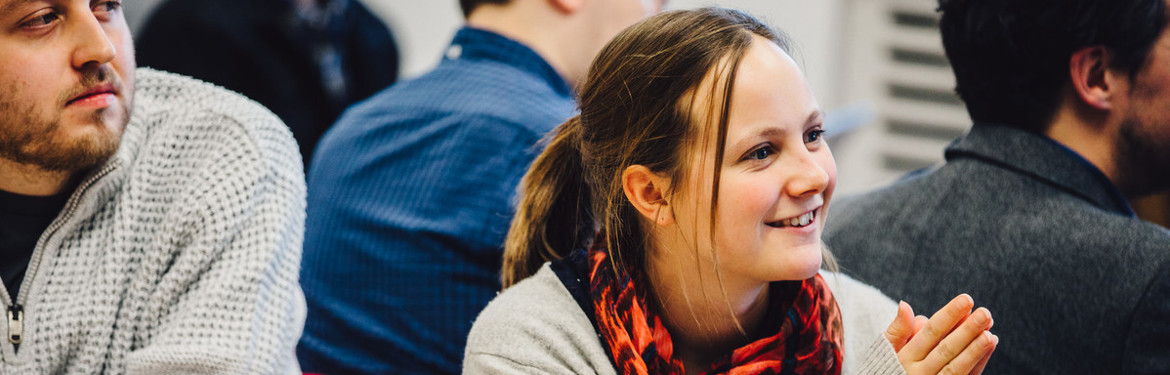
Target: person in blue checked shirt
411	192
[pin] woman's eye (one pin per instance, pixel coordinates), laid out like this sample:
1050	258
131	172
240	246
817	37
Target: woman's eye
760	153
814	136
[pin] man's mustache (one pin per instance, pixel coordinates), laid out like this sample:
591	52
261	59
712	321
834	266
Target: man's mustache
92	78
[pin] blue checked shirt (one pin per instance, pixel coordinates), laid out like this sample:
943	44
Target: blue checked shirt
410	197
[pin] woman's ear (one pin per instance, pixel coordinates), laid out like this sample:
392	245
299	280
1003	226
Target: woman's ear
646	191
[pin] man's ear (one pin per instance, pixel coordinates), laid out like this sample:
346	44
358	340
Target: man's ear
567	6
646	191
1094	82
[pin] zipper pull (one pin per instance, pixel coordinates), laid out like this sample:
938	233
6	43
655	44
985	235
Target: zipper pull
15	323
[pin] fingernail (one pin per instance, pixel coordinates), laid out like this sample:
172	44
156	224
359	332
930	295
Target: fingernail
964	302
904	307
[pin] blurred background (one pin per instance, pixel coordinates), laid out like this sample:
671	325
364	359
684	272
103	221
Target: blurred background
876	66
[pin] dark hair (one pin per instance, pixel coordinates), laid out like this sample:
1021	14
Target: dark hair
469	5
636	109
1011	57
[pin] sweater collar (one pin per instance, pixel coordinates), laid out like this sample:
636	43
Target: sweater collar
1040	158
478	44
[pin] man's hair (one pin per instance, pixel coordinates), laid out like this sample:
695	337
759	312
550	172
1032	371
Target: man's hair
470	5
1011	57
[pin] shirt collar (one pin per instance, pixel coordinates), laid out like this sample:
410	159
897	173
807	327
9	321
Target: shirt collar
478	44
1041	158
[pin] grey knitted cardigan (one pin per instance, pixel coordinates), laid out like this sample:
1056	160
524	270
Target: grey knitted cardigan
179	255
536	327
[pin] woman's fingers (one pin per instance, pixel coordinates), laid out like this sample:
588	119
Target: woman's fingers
903	327
983	363
920	322
974	357
939	326
965	342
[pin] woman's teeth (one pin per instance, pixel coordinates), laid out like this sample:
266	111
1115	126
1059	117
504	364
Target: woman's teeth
797	222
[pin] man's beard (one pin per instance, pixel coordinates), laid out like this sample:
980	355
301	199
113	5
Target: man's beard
44	142
1142	159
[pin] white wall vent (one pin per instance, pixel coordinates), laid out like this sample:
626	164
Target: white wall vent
896	66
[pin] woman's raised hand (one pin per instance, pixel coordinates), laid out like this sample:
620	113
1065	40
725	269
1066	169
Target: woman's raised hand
953	341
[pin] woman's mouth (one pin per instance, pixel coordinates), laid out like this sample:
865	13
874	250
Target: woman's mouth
796	222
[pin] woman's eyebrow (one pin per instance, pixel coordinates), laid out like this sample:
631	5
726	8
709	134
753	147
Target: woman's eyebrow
815	117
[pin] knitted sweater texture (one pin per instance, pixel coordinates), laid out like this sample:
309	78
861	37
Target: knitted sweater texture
179	255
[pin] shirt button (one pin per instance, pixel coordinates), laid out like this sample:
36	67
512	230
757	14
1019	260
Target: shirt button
454	52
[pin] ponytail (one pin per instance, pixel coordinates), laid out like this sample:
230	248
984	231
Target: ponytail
553	216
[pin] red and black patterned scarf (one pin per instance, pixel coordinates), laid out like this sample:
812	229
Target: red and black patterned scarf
808	339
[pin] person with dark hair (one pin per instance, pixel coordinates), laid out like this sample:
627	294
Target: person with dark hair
150	223
468	5
411	191
306	60
1071	107
673	227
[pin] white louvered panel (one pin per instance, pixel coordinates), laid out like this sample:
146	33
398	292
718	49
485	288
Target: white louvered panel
926	150
923	6
899	66
934	78
947	117
915	39
920	112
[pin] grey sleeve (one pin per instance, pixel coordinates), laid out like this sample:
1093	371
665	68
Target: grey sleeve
535	327
880	359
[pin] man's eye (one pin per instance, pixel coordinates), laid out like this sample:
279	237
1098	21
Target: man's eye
109	6
41	20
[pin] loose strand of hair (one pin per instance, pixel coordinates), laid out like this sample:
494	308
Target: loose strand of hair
720	149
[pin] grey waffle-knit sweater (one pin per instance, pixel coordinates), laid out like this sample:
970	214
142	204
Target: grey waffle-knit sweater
536	327
179	255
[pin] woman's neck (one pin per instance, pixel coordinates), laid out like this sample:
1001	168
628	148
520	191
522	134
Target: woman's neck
698	312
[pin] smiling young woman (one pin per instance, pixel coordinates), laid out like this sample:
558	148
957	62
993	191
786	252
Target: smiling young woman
674	227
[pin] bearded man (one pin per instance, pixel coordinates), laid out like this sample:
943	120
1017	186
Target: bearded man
1071	104
149	223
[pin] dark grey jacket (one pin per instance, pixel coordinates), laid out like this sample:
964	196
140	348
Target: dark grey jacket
1076	284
